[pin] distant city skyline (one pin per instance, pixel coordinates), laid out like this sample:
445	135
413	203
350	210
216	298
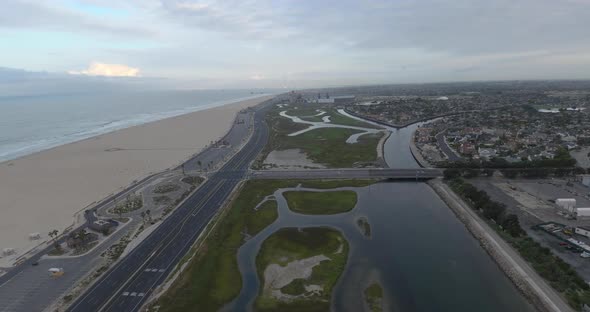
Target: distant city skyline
292	44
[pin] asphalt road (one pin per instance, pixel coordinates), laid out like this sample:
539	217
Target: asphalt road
442	144
127	285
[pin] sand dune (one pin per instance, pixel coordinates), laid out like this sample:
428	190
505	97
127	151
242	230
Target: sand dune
43	191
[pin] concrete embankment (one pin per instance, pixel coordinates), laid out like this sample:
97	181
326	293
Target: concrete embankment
532	286
416	153
381	149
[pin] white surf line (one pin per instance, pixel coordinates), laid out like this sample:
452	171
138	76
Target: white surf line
320	124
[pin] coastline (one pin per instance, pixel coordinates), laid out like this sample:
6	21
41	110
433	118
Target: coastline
132	121
526	280
46	190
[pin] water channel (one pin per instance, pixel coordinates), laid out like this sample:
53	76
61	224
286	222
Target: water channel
421	254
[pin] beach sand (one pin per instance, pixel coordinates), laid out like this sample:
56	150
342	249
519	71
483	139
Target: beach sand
43	191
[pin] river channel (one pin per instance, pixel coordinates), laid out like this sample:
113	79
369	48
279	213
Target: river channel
419	252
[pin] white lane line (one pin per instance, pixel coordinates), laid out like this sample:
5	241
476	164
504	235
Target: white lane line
126	293
133	294
140	294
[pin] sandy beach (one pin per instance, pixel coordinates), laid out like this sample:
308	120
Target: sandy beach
43	191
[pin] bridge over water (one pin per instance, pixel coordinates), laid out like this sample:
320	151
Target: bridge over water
357	173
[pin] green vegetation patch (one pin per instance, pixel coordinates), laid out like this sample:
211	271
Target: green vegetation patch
166	188
321	203
328	146
132	203
325	146
212	277
337	118
364	225
289	245
374	297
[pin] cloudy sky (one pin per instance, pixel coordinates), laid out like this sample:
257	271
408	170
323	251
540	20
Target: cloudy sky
298	43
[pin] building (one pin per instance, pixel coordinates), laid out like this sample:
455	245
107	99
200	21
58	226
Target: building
344	99
583	212
486	153
100	225
569	204
467	149
583	231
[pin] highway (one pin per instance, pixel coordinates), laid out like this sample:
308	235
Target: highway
127	285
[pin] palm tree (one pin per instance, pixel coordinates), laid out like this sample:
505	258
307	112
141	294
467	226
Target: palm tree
143	216
200	164
119	211
53	235
83	234
148	213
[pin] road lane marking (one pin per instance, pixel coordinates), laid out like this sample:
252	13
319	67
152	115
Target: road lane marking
126	293
158	250
239	161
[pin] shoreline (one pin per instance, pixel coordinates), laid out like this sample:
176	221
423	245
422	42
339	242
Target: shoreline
91	137
533	287
47	190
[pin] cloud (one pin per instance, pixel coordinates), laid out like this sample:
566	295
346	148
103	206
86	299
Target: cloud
257	77
44	15
108	70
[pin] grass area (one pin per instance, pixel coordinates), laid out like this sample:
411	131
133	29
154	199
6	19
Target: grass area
337	118
328	146
160	200
374	297
291	244
193	180
323	146
82	249
212	277
166	188
56	252
321	203
308	114
130	204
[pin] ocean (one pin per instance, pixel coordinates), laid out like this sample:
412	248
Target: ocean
29	124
